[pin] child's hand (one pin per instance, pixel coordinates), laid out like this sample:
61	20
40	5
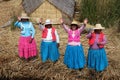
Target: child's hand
58	45
30	41
99	43
40	20
19	18
85	21
61	21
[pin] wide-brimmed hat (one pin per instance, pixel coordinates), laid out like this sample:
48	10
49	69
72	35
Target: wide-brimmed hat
74	22
48	21
98	26
24	16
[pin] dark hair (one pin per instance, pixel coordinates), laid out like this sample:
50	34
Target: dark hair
74	25
48	26
97	30
24	20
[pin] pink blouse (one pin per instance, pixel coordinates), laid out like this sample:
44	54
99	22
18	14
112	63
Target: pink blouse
67	29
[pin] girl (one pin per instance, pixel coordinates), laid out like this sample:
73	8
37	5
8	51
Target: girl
96	55
50	42
74	55
27	45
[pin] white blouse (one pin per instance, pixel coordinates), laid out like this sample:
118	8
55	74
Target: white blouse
49	35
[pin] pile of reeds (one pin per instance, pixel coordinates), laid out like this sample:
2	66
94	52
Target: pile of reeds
14	68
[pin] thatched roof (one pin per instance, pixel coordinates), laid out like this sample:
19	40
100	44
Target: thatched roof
66	6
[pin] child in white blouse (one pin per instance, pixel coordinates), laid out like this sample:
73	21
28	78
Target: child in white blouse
50	42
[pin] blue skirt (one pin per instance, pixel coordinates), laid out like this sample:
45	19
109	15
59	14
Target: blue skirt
49	51
74	57
97	59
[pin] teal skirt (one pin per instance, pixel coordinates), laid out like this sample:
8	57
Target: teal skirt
74	57
49	51
97	59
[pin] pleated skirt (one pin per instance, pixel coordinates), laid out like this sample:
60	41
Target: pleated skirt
74	57
27	50
97	59
49	51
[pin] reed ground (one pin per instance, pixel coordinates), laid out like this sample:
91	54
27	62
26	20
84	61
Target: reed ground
13	68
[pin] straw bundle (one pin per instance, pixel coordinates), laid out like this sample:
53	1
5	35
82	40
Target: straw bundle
13	68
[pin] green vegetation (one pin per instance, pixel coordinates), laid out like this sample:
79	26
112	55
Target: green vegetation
106	12
14	20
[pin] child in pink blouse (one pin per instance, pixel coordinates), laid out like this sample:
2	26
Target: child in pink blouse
74	55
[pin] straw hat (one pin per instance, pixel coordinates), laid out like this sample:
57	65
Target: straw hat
24	16
74	22
98	26
48	21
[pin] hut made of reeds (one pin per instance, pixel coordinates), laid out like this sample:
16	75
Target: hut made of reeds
50	9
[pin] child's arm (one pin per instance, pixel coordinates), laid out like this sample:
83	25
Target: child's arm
57	38
41	27
89	35
81	29
18	23
66	28
84	25
33	30
104	41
